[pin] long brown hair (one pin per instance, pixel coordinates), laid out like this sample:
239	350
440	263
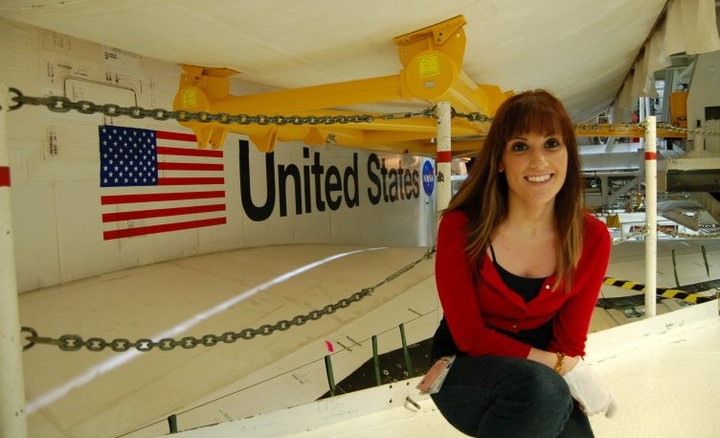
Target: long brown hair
484	195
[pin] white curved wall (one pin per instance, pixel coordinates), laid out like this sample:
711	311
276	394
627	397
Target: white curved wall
55	172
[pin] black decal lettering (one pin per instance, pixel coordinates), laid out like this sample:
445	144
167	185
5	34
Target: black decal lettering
416	184
306	181
251	210
401	181
283	173
332	184
393	186
352	173
374	162
408	184
317	170
383	172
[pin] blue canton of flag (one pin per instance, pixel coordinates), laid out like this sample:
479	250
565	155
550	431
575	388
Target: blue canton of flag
128	157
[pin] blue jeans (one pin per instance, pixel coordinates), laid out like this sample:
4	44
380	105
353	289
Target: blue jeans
506	397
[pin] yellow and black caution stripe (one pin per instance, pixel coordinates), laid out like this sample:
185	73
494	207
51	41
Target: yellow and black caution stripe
664	292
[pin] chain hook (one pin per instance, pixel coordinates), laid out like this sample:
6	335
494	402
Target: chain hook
31	339
18	99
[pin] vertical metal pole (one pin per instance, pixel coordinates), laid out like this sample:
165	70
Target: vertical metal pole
330	375
650	216
13	422
406	352
172	423
443	112
376	361
677	280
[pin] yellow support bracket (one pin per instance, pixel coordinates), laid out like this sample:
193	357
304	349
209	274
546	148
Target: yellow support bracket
432	58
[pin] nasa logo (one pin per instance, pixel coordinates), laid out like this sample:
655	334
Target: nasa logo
428	178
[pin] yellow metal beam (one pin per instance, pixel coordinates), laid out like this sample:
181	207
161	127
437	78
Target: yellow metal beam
432	72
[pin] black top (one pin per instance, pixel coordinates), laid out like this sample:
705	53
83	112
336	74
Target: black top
527	288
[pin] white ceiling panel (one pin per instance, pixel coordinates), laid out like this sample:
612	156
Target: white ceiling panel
581	49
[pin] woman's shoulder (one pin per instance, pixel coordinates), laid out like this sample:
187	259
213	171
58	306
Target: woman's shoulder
595	228
454	217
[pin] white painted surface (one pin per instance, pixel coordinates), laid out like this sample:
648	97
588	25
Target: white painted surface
645	371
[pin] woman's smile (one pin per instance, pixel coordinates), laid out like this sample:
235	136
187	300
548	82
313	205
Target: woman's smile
539	178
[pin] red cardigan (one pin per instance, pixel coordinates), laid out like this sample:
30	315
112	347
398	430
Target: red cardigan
473	310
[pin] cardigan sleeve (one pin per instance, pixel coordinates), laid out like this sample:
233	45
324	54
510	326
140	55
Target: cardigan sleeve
458	295
573	319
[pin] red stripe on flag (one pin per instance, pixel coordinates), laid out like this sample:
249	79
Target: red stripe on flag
161	212
444	157
189	152
167	135
650	155
189	166
189	181
185	185
4	176
153	229
155	197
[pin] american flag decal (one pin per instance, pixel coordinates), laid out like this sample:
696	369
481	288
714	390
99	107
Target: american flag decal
158	181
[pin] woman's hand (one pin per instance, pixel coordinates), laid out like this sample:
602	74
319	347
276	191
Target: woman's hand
569	363
590	391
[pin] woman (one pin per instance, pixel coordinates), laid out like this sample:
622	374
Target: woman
519	266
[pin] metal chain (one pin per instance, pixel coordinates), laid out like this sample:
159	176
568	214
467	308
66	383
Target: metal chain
687	236
630	237
473	116
62	104
696	131
71	342
630	126
704	236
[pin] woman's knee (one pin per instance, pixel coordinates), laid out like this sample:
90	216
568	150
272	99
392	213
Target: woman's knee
538	389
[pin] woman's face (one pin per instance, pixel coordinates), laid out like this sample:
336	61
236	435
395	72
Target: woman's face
535	166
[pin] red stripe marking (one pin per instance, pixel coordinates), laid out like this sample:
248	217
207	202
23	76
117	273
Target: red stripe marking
189	166
4	176
167	150
167	135
160	212
444	157
154	229
189	181
650	155
155	197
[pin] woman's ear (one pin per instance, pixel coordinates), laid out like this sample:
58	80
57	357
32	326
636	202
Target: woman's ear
501	169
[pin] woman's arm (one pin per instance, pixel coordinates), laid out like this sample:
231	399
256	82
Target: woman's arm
572	320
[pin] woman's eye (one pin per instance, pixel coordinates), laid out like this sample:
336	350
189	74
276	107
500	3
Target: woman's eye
552	143
519	146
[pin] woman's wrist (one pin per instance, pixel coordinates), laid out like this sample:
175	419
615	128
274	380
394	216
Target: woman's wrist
559	362
552	360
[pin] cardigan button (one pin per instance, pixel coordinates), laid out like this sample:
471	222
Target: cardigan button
515	326
547	286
